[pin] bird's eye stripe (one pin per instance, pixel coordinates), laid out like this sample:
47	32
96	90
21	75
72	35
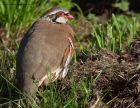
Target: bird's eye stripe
66	14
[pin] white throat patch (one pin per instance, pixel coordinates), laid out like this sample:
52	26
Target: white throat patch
61	20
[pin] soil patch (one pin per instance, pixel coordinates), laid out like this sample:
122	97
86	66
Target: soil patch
114	78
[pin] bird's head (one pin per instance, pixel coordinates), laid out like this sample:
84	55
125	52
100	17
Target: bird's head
58	15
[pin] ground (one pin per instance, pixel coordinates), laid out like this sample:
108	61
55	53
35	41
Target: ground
115	78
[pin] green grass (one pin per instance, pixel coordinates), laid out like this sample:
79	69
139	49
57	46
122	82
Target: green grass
16	15
115	35
119	31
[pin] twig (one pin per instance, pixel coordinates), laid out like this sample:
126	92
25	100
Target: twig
94	105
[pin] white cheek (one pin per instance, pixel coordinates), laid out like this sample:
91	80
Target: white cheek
61	20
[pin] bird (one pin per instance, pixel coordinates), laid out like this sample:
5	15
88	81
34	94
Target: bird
45	51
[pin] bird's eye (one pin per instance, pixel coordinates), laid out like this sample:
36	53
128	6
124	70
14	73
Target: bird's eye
60	13
63	14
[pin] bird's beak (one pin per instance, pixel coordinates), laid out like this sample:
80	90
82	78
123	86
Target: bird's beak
70	17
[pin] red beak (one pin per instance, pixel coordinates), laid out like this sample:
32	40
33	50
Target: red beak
70	16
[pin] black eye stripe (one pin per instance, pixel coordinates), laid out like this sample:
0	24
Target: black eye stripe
66	14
